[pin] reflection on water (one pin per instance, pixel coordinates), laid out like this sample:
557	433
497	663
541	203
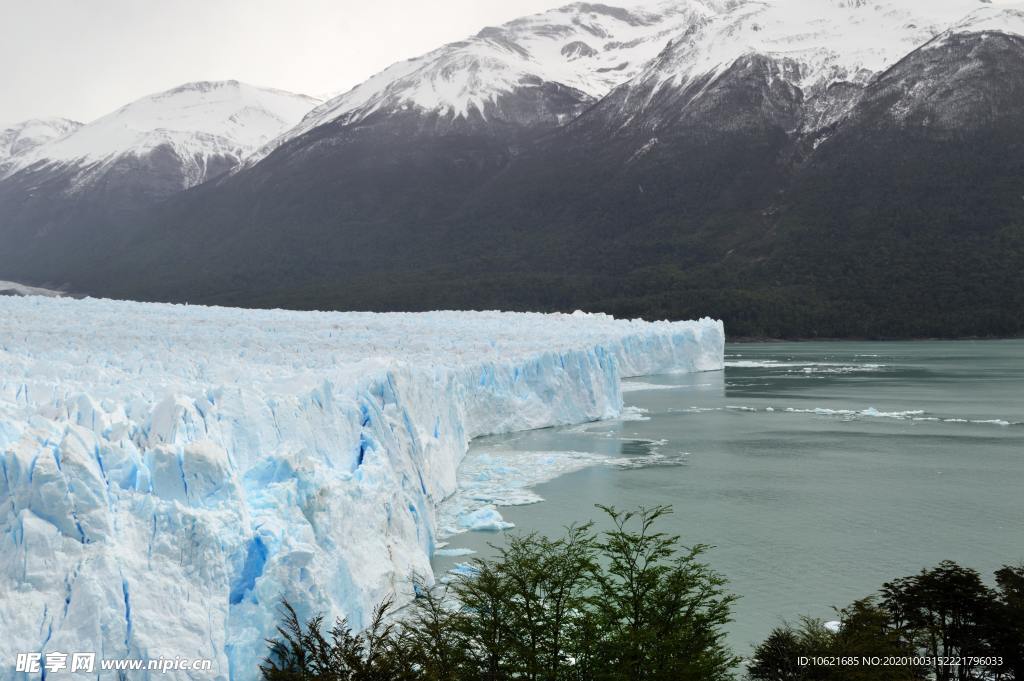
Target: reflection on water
636	448
818	470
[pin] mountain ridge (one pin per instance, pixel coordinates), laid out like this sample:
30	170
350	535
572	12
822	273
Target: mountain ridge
200	122
694	187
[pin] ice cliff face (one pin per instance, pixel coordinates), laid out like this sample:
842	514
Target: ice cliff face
167	473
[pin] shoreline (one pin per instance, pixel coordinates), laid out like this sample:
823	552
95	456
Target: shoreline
859	339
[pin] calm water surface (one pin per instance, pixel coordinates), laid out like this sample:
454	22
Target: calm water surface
817	470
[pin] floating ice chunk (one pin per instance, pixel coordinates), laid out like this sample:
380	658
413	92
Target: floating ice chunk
486	519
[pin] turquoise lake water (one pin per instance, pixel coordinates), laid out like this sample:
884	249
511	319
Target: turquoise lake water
816	470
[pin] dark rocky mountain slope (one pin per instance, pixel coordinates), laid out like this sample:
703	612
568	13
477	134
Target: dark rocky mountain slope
880	205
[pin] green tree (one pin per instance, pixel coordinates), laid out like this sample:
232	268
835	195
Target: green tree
660	612
632	605
308	653
1008	624
945	613
548	581
866	632
431	637
777	657
486	600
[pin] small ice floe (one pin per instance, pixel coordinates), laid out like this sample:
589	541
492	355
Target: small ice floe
638	386
870	412
453	553
874	413
916	415
833	627
653	459
634	414
696	410
794	367
495	478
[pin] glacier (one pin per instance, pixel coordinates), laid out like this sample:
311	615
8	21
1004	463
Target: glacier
168	473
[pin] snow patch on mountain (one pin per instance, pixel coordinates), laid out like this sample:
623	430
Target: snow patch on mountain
168	473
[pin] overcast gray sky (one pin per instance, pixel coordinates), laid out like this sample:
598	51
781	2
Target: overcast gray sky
84	58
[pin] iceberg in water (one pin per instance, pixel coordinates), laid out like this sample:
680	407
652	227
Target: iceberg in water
169	473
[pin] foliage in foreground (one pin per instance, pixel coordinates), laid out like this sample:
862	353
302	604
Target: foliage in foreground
943	613
634	605
629	604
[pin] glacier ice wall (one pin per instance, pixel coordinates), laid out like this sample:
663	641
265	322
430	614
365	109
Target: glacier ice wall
169	473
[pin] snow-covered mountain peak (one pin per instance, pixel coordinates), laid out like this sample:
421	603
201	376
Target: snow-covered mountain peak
23	137
826	40
1006	17
197	121
592	48
587	47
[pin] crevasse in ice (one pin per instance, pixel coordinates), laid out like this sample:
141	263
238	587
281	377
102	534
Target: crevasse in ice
169	473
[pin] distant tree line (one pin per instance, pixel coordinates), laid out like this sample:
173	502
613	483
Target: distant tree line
634	604
943	624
